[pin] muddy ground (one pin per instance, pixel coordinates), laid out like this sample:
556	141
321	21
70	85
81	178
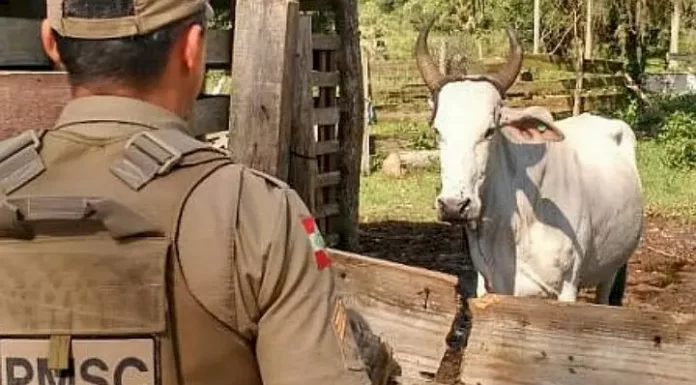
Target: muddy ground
662	272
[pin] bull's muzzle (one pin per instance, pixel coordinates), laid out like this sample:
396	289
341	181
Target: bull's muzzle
452	209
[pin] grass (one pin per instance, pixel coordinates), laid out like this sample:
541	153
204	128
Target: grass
410	198
407	198
666	190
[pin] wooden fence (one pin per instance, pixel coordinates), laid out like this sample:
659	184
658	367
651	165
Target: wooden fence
402	315
284	115
399	91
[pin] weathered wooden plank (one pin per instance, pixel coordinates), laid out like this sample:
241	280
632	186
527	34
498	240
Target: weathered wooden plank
260	121
211	114
330	178
517	341
31	100
326	116
20	43
324	79
303	167
327	147
219	48
316	5
326	210
325	42
411	309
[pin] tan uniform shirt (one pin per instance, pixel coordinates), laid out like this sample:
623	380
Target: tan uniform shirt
244	230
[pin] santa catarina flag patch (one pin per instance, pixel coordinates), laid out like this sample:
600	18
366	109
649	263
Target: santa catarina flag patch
318	245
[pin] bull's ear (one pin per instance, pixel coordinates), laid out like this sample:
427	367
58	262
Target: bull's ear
530	125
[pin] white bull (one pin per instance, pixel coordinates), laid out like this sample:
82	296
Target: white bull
549	207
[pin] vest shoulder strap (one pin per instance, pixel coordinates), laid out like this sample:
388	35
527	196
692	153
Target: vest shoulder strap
151	154
20	161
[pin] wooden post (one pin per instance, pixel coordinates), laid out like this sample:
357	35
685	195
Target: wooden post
537	25
303	159
352	120
367	95
265	34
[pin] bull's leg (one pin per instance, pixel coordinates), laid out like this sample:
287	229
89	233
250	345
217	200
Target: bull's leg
571	282
480	286
612	290
603	290
619	286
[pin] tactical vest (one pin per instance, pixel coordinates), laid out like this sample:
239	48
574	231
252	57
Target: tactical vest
92	287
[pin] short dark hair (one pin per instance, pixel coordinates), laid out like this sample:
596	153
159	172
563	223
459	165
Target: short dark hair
136	61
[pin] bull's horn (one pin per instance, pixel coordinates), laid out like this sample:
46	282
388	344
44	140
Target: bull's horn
428	70
507	74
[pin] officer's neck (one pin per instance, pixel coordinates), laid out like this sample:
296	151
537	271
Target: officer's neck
161	97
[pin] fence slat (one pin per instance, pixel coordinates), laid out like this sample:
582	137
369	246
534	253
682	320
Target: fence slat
211	114
328	147
324	42
20	44
219	48
331	178
324	79
303	167
327	210
326	116
316	5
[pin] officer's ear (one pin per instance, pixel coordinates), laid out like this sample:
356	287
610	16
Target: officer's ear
49	44
192	42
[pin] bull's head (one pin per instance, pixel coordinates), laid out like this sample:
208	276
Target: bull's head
467	113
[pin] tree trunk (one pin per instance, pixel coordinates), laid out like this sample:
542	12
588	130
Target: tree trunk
634	44
588	31
579	65
537	25
676	21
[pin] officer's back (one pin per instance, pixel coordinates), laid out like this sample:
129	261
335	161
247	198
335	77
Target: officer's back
131	253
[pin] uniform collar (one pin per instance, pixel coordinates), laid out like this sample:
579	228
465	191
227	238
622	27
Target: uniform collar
97	115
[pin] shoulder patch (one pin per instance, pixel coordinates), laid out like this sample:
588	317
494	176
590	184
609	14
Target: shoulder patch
318	245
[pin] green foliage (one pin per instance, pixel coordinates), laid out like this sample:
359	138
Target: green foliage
678	136
673	118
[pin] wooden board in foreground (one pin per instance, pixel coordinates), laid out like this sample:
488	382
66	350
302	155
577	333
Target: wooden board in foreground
515	341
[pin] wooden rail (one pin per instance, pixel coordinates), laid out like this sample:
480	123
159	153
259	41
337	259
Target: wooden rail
398	88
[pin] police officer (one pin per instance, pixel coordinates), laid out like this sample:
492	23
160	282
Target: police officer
250	293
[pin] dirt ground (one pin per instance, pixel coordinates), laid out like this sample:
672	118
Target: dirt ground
662	272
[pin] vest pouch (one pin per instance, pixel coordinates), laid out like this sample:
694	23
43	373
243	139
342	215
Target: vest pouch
83	295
